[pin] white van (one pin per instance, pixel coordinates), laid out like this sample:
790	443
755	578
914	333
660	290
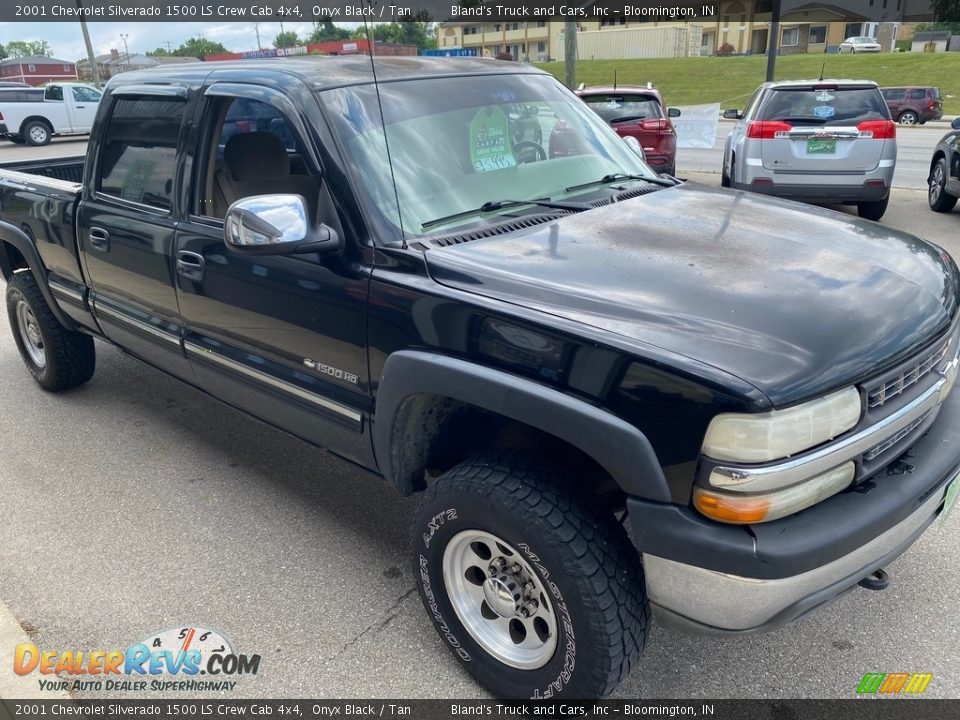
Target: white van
34	115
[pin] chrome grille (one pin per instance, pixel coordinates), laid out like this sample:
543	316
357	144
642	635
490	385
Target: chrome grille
909	376
894	439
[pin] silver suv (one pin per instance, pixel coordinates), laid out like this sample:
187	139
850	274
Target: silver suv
828	141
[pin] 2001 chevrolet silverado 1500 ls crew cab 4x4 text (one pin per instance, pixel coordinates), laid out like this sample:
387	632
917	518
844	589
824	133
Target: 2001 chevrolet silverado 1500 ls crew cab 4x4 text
536	342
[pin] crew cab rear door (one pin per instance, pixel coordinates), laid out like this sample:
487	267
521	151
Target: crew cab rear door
127	221
823	129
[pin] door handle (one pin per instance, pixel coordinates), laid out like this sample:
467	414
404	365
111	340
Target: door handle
190	265
99	239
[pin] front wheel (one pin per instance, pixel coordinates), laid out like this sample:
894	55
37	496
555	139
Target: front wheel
58	358
873	210
937	196
536	593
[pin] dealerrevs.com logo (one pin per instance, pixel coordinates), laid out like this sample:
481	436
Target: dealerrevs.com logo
894	683
169	660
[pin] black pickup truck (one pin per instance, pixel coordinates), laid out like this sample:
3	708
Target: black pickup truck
614	391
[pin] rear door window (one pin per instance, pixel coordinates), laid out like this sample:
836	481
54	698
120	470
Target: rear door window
918	94
139	150
828	107
616	108
895	94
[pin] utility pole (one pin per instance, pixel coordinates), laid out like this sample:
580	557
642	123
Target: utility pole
126	50
570	52
774	44
256	29
91	58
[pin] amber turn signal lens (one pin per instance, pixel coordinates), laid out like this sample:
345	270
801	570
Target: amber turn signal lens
741	510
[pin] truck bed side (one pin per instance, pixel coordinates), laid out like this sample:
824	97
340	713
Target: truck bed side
38	203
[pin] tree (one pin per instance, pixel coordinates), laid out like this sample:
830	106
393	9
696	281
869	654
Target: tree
159	52
286	39
953	27
199	47
3	52
947	11
326	31
28	48
407	32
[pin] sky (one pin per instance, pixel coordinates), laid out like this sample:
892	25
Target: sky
67	41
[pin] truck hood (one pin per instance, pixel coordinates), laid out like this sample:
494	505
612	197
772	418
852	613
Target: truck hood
794	299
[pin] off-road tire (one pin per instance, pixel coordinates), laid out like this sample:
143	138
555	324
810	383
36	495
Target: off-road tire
70	356
581	555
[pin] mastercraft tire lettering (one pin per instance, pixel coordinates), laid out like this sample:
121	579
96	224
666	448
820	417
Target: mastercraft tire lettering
537	594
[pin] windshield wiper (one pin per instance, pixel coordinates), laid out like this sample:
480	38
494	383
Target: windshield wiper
494	205
614	177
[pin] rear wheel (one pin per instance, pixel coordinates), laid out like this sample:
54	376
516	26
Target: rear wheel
938	197
36	133
909	117
535	592
58	359
873	210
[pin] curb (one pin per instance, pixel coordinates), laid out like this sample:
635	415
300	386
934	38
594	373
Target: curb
13	686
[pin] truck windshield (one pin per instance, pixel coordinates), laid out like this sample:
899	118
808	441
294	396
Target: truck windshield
462	143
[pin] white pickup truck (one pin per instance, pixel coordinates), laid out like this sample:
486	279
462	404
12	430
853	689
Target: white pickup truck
34	115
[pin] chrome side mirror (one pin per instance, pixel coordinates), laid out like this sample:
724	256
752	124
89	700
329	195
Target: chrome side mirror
635	145
732	114
673	112
275	225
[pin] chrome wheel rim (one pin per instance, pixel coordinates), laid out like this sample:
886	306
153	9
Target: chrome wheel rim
937	182
38	134
499	599
30	334
908	119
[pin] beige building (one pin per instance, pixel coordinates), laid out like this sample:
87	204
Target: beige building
805	27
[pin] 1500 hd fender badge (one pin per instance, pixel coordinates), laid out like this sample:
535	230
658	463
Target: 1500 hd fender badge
333	372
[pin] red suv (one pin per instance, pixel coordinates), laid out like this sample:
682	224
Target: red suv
913	105
638	112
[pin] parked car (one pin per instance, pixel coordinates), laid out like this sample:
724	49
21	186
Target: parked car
944	178
639	112
826	141
35	115
859	44
545	350
913	105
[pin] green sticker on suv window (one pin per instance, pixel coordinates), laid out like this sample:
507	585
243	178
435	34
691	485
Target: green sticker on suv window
490	141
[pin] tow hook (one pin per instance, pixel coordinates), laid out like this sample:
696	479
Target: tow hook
877	580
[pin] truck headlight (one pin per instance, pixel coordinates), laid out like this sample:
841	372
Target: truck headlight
762	437
745	509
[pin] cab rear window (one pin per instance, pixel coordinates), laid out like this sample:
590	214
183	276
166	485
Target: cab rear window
616	108
825	106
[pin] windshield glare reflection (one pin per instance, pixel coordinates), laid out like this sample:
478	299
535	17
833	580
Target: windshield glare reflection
458	143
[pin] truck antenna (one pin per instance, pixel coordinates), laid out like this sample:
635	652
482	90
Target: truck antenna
614	78
822	68
383	123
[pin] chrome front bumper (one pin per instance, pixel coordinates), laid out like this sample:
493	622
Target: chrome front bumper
701	600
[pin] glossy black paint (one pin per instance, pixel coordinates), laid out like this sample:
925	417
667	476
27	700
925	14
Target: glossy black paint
949	148
663	310
792	299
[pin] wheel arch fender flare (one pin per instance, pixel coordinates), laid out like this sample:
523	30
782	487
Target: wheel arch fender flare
616	445
18	239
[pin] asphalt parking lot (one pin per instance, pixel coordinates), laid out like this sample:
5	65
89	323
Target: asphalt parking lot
136	504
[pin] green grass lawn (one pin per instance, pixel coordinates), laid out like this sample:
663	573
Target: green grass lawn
730	80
